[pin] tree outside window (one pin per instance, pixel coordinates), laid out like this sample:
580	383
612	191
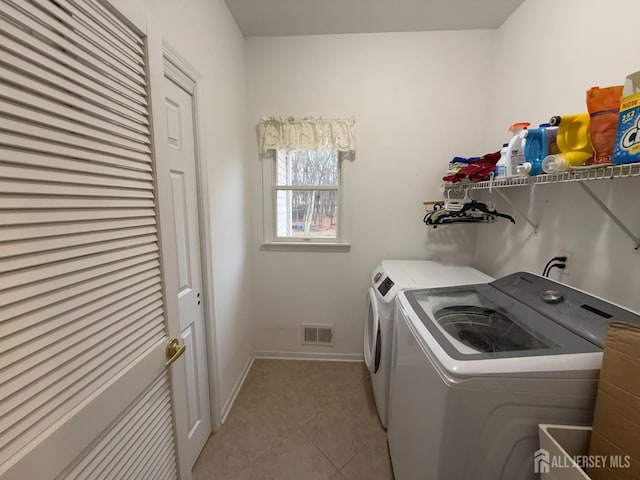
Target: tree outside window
307	189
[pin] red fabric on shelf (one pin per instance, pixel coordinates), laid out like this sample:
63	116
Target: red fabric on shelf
476	171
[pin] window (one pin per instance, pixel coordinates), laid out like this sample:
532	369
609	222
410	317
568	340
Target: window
307	193
303	181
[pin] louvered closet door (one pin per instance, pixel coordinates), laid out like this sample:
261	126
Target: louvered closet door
84	392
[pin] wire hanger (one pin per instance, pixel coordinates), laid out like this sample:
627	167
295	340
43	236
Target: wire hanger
470	211
482	207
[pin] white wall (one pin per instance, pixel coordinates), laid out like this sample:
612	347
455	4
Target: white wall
206	35
418	99
548	54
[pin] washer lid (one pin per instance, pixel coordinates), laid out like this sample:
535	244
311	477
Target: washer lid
398	275
473	329
583	313
481	322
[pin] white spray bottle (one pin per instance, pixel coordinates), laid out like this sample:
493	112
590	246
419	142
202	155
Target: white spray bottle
515	149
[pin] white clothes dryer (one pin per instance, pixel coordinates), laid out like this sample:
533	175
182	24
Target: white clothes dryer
389	278
478	367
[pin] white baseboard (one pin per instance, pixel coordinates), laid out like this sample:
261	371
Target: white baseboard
236	388
318	356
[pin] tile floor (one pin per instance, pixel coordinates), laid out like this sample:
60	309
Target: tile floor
299	420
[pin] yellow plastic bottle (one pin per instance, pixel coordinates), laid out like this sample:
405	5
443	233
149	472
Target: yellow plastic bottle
573	134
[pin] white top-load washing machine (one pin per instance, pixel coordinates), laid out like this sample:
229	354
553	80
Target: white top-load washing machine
478	367
389	278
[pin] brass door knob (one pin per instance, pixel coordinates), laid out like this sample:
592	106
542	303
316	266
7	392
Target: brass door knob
174	351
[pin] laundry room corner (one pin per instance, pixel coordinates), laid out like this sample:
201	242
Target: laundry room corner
417	98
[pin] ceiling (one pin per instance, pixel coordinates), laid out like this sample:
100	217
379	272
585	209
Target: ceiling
310	17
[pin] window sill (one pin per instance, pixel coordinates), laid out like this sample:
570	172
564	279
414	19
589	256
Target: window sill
306	246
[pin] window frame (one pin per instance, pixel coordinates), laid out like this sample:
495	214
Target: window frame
271	241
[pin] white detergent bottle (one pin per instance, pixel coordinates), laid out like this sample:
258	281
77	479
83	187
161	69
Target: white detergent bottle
502	163
515	154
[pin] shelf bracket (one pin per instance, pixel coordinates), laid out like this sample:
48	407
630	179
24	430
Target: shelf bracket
612	216
522	214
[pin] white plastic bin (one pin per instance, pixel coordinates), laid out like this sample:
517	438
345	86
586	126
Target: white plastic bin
563	442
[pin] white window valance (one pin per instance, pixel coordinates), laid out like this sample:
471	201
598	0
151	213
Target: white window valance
288	133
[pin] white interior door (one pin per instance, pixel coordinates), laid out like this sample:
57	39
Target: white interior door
84	315
180	138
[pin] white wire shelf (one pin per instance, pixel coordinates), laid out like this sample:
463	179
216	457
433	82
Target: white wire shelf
575	175
578	174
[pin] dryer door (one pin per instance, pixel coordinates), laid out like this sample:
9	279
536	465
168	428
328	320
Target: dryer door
372	334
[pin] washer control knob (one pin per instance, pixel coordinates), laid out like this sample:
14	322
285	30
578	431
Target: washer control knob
377	277
552	296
